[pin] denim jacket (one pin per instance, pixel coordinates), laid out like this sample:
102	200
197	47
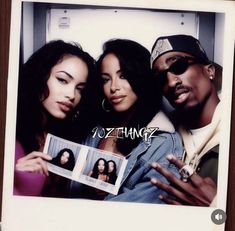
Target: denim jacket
136	185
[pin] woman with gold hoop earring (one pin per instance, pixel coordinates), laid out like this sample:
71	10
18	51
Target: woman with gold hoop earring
104	107
127	83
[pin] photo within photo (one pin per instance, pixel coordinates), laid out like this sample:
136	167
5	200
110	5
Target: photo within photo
81	163
121	106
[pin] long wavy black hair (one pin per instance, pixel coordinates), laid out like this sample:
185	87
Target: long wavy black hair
32	89
95	170
134	60
71	159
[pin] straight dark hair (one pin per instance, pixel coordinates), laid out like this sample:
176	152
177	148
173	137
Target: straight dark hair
134	62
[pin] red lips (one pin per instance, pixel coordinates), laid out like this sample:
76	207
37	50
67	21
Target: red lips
117	98
65	106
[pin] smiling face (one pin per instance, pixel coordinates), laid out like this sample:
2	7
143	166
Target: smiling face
189	89
116	88
67	79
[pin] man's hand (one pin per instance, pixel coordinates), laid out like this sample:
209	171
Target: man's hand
196	191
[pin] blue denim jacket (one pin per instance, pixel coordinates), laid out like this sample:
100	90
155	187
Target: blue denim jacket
136	185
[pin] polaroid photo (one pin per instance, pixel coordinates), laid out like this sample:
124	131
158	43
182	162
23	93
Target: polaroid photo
87	165
91	23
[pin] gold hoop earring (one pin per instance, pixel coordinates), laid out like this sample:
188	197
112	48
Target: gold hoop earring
103	106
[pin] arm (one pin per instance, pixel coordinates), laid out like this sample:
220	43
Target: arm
197	191
142	192
30	172
137	186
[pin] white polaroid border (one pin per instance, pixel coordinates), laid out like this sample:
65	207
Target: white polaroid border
37	214
82	154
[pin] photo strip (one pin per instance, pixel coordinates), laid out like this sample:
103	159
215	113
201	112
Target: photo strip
143	88
85	164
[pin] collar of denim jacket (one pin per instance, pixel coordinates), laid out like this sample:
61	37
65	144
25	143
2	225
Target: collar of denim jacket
161	122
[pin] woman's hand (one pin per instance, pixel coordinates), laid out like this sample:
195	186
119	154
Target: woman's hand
196	191
33	162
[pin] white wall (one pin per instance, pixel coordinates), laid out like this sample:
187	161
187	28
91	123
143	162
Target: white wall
27	26
219	38
92	27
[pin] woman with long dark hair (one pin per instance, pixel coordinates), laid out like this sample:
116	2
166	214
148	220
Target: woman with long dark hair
100	170
131	123
112	171
64	159
51	85
57	186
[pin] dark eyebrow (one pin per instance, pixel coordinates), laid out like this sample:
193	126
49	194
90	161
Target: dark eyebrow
70	76
104	73
82	84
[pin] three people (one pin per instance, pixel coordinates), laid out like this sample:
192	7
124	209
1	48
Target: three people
131	100
51	85
187	80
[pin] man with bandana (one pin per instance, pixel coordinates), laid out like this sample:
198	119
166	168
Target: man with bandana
187	79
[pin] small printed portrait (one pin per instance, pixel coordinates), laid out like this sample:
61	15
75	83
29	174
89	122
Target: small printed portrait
112	171
64	159
100	170
102	166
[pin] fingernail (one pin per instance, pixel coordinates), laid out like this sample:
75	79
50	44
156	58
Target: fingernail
154	164
170	157
154	180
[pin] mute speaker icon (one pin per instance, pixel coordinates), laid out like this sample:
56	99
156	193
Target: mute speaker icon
218	216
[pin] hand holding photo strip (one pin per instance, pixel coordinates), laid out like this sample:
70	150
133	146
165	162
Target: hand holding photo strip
75	161
102	148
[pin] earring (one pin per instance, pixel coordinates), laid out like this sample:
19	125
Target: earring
103	106
76	115
211	77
